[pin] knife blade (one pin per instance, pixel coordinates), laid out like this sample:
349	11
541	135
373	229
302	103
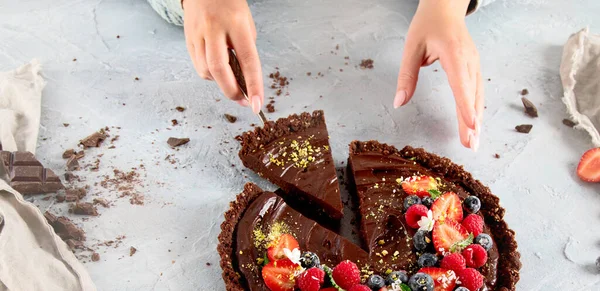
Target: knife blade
241	81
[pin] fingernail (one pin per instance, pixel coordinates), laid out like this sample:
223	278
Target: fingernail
473	141
255	104
243	102
474	121
400	98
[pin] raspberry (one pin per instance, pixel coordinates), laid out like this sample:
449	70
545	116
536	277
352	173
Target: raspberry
474	224
475	256
360	288
311	279
454	262
346	274
414	214
470	279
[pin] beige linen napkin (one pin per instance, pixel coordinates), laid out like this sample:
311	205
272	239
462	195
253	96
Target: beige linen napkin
32	256
580	74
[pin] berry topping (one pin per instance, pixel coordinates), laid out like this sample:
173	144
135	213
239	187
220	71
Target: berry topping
485	241
473	223
475	256
346	274
419	186
410	201
448	235
414	214
375	282
397	277
279	275
427	201
472	204
470	279
454	262
421	282
444	280
309	260
311	279
421	240
427	260
447	207
360	288
329	289
285	241
589	167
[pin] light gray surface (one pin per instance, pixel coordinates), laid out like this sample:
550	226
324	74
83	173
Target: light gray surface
556	216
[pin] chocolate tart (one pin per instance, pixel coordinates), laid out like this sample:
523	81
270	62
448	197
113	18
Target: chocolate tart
294	154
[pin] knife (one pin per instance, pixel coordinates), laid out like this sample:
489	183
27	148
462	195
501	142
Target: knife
241	81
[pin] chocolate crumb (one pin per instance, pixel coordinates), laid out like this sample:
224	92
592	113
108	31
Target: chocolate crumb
74	60
568	122
270	108
137	79
175	142
102	202
308	73
524	128
68	153
524	92
95	257
180	109
118	36
530	109
366	64
230	118
84	208
174	122
66	124
208	264
132	251
70	177
497	156
72	163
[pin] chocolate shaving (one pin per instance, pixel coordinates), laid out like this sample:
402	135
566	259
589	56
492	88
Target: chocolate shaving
530	109
568	122
94	140
175	142
230	118
84	208
524	128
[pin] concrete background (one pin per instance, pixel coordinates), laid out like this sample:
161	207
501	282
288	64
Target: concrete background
556	217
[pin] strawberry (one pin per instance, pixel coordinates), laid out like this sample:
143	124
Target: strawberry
285	241
446	234
346	274
589	167
279	275
329	289
475	256
455	262
419	186
414	214
474	224
443	279
359	288
448	206
311	279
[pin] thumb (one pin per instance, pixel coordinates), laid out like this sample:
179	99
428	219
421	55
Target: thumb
408	76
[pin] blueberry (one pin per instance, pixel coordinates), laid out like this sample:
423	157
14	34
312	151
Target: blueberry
427	201
421	282
421	240
309	260
472	204
485	241
461	289
410	201
427	260
397	277
375	282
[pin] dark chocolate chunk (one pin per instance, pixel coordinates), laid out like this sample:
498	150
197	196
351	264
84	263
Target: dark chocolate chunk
568	122
230	118
524	92
175	142
524	128
27	175
530	109
84	208
68	153
94	140
132	251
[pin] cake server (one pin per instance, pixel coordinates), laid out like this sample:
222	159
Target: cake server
241	81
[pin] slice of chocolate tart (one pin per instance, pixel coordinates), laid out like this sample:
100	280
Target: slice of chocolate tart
294	154
416	191
253	224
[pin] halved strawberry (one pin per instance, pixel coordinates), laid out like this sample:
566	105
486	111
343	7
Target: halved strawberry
589	167
285	241
447	233
444	280
419	186
448	206
279	275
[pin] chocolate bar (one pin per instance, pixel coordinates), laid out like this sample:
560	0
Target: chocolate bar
27	175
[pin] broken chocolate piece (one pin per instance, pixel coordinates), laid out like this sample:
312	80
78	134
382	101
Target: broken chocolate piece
95	257
77	193
524	92
175	142
84	208
74	244
102	202
568	122
94	140
524	128
72	163
530	109
270	108
132	251
180	109
230	118
64	227
68	153
70	177
27	175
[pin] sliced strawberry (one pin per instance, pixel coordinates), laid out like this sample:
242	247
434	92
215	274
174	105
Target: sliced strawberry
589	167
448	206
447	233
444	280
285	241
279	275
419	186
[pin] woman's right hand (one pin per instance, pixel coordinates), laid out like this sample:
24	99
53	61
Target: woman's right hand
213	26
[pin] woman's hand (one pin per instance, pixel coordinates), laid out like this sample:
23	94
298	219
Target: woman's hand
438	32
213	26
